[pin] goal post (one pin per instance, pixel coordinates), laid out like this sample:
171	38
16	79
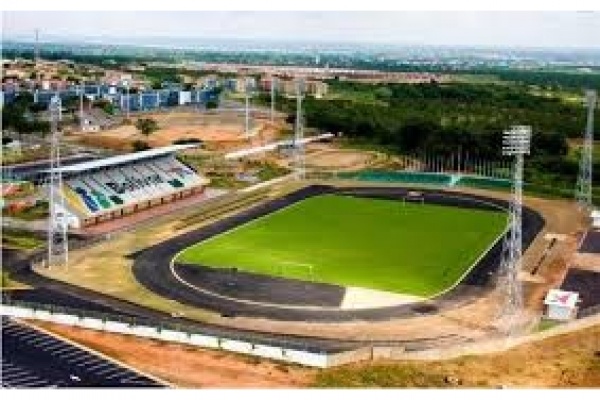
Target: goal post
414	197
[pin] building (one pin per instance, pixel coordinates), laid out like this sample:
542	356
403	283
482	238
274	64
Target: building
287	87
595	219
115	187
561	305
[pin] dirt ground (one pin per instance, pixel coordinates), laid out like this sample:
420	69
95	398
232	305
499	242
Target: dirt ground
565	360
568	360
218	130
324	157
186	366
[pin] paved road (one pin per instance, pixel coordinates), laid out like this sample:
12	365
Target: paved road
33	359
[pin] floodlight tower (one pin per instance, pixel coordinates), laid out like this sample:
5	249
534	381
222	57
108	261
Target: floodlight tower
299	132
273	83
247	118
516	143
583	193
58	245
81	106
36	56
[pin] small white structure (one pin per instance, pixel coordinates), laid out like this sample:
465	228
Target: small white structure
595	219
561	305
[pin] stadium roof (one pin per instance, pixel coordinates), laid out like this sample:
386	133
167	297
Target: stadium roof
124	158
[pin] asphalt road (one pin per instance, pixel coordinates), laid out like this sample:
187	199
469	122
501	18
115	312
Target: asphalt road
34	359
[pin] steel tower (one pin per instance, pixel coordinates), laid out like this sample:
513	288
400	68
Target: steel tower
516	143
247	115
299	132
273	83
58	245
583	193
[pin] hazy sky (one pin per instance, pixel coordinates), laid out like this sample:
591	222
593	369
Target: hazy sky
544	29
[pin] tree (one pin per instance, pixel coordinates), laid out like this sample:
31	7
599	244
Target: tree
146	126
212	104
140	145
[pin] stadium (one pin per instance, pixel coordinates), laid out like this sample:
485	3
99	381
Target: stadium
334	261
325	252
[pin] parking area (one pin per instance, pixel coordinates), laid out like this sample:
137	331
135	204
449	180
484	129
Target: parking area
33	359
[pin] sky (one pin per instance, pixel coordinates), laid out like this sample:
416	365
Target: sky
488	28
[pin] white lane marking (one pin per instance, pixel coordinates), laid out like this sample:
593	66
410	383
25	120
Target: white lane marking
91	362
120	375
100	364
26	336
82	357
16	374
106	370
56	346
63	350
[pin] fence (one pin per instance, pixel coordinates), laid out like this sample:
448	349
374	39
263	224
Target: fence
128	326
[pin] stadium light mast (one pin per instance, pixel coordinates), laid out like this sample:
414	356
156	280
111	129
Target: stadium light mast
273	83
58	245
299	132
247	116
81	106
36	57
516	143
583	193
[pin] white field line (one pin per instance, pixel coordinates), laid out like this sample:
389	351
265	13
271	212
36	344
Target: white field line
248	223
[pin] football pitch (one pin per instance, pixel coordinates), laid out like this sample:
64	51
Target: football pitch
414	249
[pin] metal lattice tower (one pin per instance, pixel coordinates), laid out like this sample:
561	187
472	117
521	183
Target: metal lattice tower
299	132
247	116
583	193
273	83
516	143
36	57
58	245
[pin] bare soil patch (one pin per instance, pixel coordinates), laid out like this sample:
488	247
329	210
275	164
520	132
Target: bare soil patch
569	360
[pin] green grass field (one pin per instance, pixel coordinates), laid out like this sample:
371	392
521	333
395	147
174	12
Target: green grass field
416	249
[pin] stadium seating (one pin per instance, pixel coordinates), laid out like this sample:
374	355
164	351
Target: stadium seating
423	178
115	187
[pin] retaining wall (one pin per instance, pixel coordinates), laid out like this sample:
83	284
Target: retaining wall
319	360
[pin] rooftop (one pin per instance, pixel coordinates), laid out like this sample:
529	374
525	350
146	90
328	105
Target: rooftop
557	297
124	158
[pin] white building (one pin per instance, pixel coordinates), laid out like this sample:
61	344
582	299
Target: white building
561	305
595	219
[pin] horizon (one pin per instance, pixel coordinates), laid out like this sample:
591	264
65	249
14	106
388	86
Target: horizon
519	30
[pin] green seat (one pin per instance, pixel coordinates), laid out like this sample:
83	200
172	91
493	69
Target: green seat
423	178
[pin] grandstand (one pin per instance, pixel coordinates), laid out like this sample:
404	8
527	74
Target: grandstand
114	187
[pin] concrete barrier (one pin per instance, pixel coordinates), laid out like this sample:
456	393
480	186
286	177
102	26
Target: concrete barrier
350	356
168	335
204	341
66	319
174	336
42	315
237	346
117	327
90	323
